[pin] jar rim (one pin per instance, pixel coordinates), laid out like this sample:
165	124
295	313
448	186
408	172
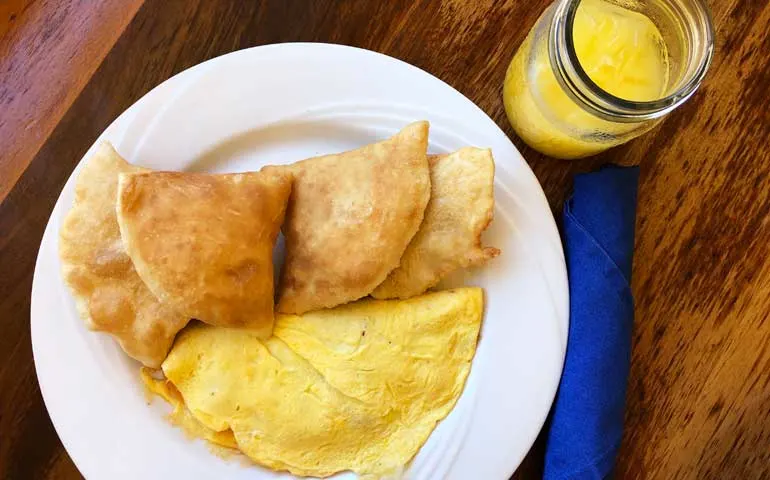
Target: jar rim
577	84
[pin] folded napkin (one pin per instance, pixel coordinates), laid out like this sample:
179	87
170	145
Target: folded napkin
587	422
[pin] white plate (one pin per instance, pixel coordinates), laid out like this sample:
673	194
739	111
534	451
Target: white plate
277	104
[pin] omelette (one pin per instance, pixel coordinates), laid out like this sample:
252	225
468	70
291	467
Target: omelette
359	387
109	294
181	417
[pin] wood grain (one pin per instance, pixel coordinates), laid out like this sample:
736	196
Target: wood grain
48	52
10	11
699	393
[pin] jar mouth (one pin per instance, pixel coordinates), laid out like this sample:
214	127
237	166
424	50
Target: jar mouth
694	19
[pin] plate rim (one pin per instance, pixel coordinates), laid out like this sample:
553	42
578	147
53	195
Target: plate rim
490	124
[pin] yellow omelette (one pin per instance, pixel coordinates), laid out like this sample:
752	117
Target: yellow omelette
359	387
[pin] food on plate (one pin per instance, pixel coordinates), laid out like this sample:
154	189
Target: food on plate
327	385
395	355
109	295
350	218
203	243
181	417
359	387
460	208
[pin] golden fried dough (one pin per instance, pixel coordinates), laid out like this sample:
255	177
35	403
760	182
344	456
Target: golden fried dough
460	208
203	243
350	217
110	296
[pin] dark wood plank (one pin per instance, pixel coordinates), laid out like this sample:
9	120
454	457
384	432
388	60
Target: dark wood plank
699	395
48	52
700	389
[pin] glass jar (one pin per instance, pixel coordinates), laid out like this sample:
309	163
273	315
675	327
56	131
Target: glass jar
557	108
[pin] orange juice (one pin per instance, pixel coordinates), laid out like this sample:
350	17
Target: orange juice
621	51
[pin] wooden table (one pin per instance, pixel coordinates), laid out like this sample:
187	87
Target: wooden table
699	392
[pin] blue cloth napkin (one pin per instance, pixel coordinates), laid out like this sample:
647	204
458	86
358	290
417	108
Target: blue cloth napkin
587	422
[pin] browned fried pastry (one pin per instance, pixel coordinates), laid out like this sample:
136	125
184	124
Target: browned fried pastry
203	243
460	209
109	294
350	218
